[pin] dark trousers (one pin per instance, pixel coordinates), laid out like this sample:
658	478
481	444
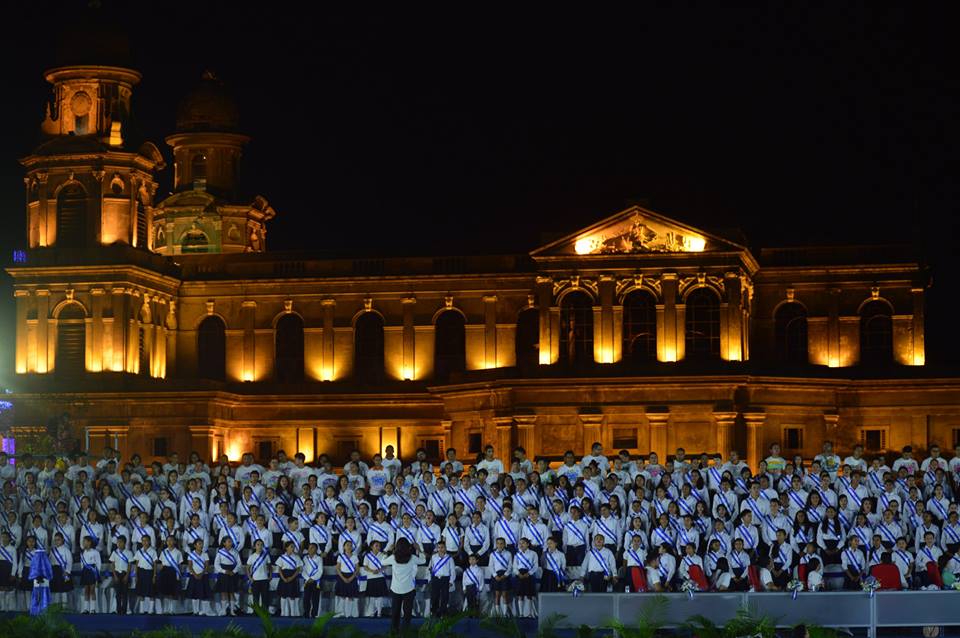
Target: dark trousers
473	598
123	595
398	601
311	599
596	582
439	596
260	593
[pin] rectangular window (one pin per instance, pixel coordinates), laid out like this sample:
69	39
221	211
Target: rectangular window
792	439
160	446
433	448
873	439
344	448
266	448
474	442
624	439
956	437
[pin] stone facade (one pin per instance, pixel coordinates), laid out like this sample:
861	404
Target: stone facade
167	326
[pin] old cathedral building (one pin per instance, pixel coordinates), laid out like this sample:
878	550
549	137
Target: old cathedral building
166	325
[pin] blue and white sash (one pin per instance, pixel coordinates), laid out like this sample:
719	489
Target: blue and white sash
171	562
663	536
576	531
91	534
291	564
887	533
853	560
60	561
147	557
501	559
747	536
257	563
233	536
508	532
315	571
438	566
377	563
606	531
231	561
598	556
524	561
555	567
736	557
471	574
535	534
89	566
454	536
635	556
198	561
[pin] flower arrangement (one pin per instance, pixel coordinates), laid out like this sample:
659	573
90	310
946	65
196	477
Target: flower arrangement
956	585
795	587
870	585
689	587
576	588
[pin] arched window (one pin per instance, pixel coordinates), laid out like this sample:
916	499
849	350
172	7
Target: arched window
576	329
71	341
876	333
368	348
790	331
527	341
198	170
143	239
71	216
703	325
288	362
212	349
449	345
639	327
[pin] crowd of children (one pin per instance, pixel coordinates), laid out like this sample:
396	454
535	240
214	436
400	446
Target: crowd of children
300	539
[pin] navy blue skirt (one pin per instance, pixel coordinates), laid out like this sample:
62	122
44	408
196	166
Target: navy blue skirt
198	588
88	576
347	590
168	583
291	589
377	588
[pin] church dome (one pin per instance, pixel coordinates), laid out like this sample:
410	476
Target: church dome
209	107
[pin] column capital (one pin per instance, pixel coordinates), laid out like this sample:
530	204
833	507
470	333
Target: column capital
503	422
658	414
754	419
831	418
725	418
96	292
328	301
525	421
43	292
446	424
590	419
21	293
489	299
408	300
248	303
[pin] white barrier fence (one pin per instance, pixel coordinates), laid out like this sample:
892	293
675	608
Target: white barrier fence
827	609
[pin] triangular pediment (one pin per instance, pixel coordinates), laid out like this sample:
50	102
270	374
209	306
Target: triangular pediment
636	230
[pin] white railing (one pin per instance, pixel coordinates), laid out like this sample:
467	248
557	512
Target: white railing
826	609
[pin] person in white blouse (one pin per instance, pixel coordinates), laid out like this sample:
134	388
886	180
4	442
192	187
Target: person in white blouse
600	566
525	571
442	575
404	564
491	464
258	573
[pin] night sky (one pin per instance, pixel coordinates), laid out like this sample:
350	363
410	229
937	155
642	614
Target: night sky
449	131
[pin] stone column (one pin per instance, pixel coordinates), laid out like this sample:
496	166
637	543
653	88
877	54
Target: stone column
526	424
327	368
248	314
754	421
606	289
132	321
724	422
447	425
170	359
734	342
490	331
409	369
119	300
668	345
504	445
96	347
658	417
22	300
201	441
45	343
549	338
919	346
591	427
833	327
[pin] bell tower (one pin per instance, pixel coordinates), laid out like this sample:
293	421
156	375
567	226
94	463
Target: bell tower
85	186
208	213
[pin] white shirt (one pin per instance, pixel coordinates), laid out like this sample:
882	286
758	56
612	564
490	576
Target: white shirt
404	574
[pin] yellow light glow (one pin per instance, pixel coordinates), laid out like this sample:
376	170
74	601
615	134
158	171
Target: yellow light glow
834	362
695	244
248	376
669	354
544	357
234	451
919	358
408	373
606	355
583	246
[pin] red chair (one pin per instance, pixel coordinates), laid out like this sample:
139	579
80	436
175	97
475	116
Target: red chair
888	575
697	576
802	574
753	572
933	573
637	579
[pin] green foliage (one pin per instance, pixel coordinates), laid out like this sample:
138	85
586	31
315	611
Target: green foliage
746	624
502	625
816	631
440	627
50	624
648	624
703	627
548	627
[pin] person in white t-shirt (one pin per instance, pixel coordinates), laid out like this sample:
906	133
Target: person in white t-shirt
492	465
596	454
934	456
907	461
391	463
856	460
